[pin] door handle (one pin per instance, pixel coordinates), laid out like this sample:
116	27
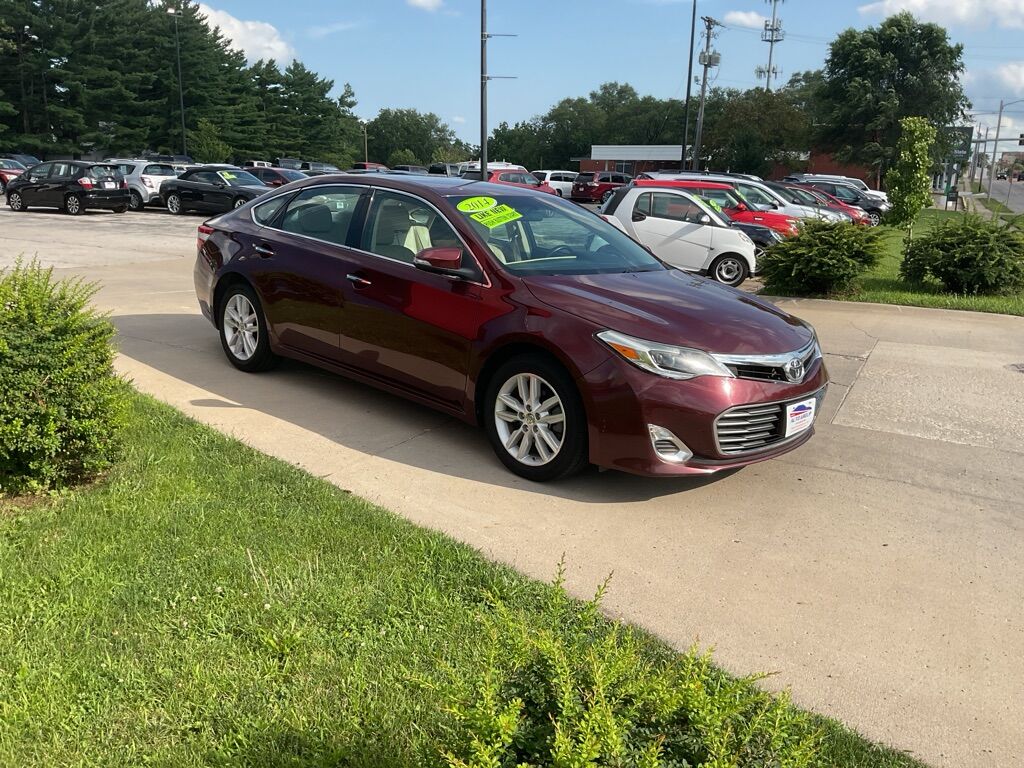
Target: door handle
357	281
263	250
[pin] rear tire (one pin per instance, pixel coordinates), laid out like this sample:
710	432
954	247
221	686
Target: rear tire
15	202
135	201
73	205
730	270
552	422
174	204
243	330
558	192
239	202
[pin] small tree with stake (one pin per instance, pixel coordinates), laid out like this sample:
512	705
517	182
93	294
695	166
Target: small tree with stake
909	180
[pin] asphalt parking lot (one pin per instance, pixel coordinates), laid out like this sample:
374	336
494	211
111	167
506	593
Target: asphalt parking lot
878	570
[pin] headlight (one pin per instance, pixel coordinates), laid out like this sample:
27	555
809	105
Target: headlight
746	238
664	359
775	235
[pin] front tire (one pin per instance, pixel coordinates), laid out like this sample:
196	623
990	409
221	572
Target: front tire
875	218
243	330
174	204
16	202
73	205
135	201
535	419
239	202
730	270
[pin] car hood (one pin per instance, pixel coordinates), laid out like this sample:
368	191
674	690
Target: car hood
765	218
674	307
11	171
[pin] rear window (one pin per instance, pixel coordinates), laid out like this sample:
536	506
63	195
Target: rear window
583	178
103	171
158	170
11	165
292	175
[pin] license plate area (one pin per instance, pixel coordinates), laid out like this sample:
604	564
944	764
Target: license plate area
800	416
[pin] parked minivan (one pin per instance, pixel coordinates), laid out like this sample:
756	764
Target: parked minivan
560	181
595	187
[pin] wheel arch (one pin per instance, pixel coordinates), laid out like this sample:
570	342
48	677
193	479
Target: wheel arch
224	282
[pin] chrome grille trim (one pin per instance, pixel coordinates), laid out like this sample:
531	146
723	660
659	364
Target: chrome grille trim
751	428
770	367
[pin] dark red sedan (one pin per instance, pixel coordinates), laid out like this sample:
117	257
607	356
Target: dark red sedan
515	310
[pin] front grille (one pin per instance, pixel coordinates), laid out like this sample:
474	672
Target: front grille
749	428
759	372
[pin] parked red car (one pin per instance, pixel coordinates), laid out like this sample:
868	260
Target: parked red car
859	215
277	177
521	178
568	342
731	201
594	187
9	169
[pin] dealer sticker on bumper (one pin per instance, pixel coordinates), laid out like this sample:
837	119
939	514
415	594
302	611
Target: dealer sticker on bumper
800	416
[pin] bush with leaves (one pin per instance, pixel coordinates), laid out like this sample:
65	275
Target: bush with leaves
62	407
575	691
822	258
968	255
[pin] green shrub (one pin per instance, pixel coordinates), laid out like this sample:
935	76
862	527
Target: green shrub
823	258
574	690
968	255
62	406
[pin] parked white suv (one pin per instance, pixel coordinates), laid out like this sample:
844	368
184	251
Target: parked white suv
144	178
682	230
560	181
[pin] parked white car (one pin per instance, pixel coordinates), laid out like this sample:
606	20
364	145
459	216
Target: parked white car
144	179
764	198
560	181
851	181
683	231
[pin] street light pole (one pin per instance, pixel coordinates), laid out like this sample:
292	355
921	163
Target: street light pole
366	146
689	84
176	12
483	90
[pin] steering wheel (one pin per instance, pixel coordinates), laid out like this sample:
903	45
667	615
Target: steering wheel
561	250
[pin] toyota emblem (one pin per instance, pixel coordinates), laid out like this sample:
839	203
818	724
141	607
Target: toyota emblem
794	369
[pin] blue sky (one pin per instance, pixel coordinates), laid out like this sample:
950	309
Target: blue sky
425	53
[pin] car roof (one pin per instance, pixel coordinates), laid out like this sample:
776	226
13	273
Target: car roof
682	183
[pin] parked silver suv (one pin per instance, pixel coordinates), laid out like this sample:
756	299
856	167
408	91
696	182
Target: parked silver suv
144	178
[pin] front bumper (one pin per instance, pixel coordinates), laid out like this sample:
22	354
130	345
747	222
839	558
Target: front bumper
622	401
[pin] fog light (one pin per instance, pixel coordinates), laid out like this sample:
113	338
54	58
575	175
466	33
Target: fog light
667	445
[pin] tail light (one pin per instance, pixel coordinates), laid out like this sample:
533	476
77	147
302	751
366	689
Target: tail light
204	232
146	182
85	182
124	184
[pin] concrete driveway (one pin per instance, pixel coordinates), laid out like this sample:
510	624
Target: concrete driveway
879	570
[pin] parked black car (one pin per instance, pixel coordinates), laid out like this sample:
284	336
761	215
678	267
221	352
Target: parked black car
71	185
27	160
211	188
850	195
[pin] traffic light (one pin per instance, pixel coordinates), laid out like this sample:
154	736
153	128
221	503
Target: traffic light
1021	140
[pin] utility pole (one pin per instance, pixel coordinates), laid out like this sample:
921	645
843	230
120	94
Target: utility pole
772	34
689	83
484	77
366	144
176	12
708	59
995	149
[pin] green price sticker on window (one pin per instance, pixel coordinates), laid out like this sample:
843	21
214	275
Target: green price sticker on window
228	176
474	204
495	217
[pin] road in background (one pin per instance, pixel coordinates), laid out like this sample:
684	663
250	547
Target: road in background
1010	194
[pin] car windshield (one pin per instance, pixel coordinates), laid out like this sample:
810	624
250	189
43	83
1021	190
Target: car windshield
533	236
292	175
11	165
803	196
787	194
239	178
158	170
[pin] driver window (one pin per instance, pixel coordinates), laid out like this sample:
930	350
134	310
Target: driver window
206	177
674	208
643	204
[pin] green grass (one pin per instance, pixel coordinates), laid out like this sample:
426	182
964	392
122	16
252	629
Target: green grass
208	605
882	285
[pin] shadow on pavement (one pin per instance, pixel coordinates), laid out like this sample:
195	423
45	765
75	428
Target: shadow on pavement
357	416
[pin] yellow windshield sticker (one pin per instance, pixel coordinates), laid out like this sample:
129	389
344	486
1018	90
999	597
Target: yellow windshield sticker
474	204
495	217
228	176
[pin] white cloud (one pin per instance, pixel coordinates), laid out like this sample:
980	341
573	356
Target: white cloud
1011	77
749	19
331	29
458	119
257	39
426	5
977	13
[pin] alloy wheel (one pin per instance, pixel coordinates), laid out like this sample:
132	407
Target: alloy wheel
73	205
239	203
14	201
174	204
135	201
530	419
729	271
241	327
875	219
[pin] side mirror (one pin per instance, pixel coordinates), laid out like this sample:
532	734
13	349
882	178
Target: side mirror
219	184
704	219
442	261
741	207
638	216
